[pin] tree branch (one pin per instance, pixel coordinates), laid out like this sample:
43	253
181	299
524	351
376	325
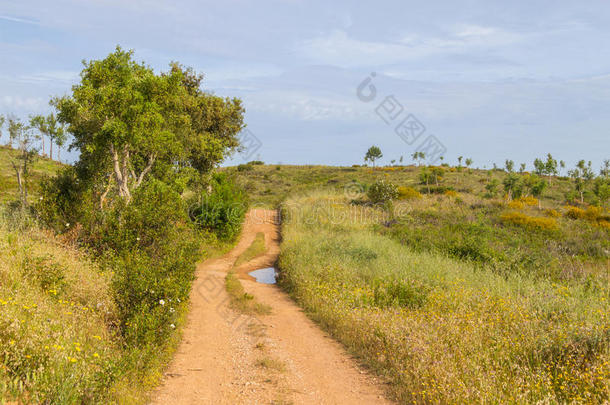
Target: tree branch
147	169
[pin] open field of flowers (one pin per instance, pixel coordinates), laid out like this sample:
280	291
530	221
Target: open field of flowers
441	329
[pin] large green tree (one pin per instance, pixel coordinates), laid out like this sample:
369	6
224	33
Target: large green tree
128	122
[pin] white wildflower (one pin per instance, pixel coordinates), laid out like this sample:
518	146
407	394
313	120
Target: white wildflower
162	302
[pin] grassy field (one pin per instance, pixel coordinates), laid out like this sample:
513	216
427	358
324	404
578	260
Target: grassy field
8	181
442	322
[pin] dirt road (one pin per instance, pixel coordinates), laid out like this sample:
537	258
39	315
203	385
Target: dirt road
281	358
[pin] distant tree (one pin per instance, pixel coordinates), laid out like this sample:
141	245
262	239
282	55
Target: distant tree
582	175
460	161
418	157
26	154
437	174
604	171
58	134
562	164
492	187
468	162
522	168
39	123
510	165
373	154
49	127
426	177
513	185
539	167
400	160
393	161
536	186
550	168
15	129
1	124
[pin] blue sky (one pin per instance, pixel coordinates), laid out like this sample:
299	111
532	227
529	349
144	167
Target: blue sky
488	79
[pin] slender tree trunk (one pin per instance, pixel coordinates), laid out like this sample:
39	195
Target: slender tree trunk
51	150
23	194
58	153
43	148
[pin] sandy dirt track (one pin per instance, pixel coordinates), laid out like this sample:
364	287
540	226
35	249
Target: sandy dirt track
281	358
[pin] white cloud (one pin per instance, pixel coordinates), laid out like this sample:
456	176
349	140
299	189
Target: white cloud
18	103
340	49
18	19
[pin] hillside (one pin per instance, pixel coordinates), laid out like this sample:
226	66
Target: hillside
8	181
270	184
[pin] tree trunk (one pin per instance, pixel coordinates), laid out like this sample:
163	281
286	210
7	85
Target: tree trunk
23	194
123	172
51	150
43	149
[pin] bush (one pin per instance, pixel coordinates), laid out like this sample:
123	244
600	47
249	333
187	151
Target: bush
535	223
256	162
155	250
594	213
382	192
221	211
451	193
407	193
244	167
552	213
516	205
529	200
574	213
63	201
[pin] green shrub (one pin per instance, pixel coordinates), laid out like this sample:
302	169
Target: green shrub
382	192
222	210
244	167
63	200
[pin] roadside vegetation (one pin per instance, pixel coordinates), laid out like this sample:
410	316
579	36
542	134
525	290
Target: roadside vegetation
443	316
98	257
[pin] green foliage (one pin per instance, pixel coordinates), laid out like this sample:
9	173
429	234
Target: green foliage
373	154
221	211
244	167
513	185
382	192
126	119
492	188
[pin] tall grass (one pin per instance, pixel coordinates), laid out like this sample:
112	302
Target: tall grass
57	344
439	329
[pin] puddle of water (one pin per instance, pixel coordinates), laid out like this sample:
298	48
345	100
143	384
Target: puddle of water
264	276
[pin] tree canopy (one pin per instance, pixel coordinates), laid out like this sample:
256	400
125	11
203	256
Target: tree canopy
126	120
372	154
